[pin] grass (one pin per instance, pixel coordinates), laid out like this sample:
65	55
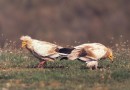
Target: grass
17	72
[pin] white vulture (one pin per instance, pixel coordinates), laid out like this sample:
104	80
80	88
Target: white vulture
43	50
91	53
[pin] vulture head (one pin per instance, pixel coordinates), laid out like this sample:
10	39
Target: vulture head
110	54
26	40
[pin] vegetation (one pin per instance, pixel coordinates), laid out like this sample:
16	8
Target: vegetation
65	21
18	72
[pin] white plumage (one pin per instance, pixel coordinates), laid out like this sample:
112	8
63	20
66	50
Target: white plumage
43	50
92	64
91	53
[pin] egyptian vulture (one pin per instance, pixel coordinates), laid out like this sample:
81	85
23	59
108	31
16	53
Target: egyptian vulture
91	53
42	50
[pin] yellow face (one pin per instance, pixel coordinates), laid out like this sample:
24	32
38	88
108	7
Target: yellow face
111	57
24	43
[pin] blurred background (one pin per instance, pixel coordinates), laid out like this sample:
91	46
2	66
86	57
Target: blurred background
66	22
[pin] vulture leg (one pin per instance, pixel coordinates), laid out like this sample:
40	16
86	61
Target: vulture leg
92	65
41	64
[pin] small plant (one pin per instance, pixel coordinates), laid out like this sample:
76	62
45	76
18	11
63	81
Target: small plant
17	71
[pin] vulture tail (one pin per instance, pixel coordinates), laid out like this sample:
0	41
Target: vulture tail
64	52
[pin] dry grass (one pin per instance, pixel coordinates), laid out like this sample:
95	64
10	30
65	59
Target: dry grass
17	72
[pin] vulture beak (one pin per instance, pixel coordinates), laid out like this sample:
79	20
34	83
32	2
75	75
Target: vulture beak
24	43
111	58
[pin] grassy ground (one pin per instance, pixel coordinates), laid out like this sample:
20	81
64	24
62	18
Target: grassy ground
17	72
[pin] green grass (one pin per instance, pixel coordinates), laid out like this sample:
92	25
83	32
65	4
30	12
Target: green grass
17	72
